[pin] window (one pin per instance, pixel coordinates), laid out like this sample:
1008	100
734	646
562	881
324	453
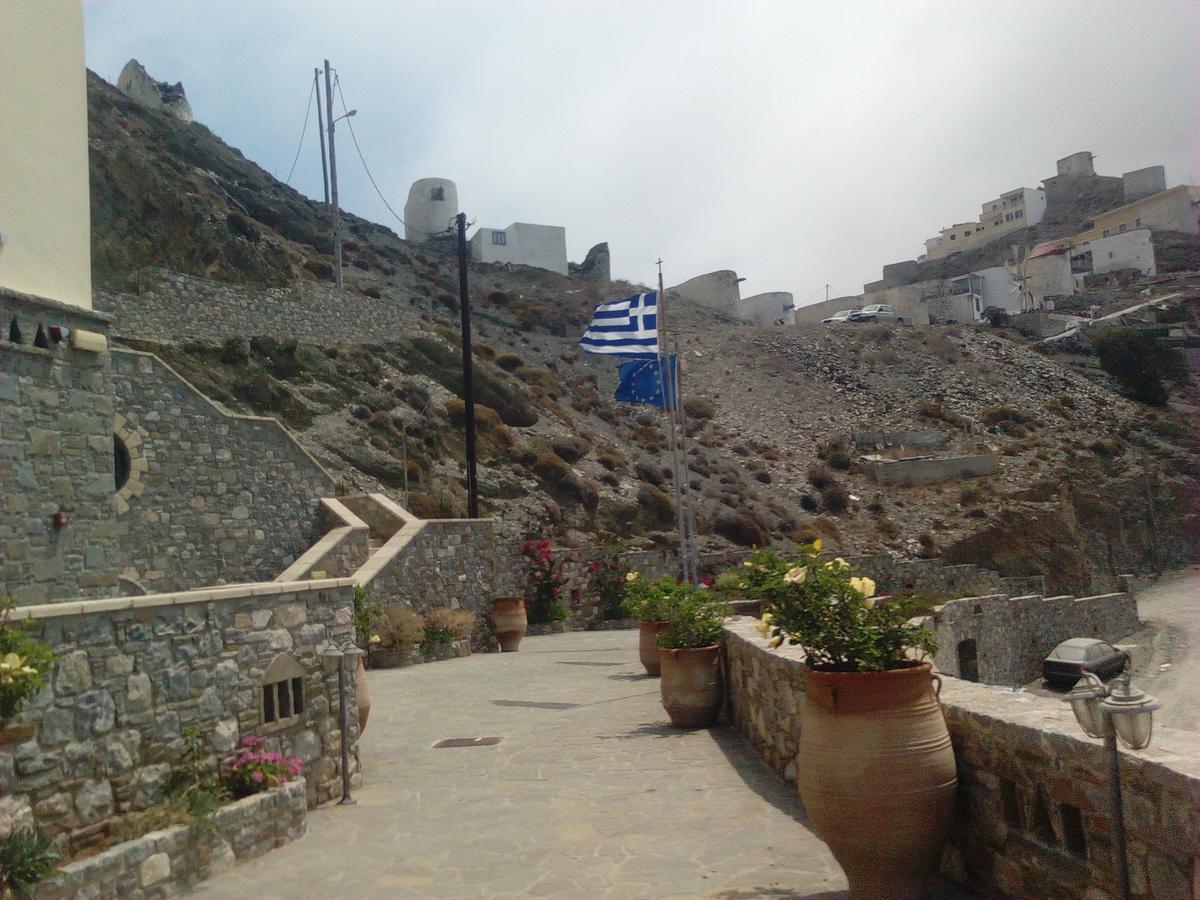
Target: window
437	193
499	237
1138	222
1121	227
1073	833
967	233
995	206
997	222
951	237
120	462
1008	217
1105	232
1019	214
282	692
1110	254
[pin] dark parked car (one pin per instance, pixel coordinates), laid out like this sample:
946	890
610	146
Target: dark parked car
1069	660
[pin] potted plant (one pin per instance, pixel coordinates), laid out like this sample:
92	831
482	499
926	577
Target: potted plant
648	602
443	628
875	766
399	631
689	656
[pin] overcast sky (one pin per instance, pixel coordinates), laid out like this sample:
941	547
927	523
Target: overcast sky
798	143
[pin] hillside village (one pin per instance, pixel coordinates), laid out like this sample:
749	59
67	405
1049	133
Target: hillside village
231	484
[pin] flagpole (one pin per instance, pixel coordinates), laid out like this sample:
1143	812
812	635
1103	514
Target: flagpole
669	404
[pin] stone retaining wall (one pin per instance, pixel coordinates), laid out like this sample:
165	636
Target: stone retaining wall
213	497
165	863
1031	819
173	308
96	743
1012	635
928	469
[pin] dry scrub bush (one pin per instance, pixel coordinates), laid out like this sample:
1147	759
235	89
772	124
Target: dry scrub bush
699	408
458	622
400	625
571	448
835	498
820	477
509	362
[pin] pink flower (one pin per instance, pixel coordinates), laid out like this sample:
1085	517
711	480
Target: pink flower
256	776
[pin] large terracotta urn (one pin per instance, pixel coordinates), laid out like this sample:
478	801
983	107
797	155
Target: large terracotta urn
876	773
362	696
648	633
691	685
509	622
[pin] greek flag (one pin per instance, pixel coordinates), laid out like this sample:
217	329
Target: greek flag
626	327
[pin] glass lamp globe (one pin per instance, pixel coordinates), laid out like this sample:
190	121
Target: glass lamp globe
1132	713
1085	703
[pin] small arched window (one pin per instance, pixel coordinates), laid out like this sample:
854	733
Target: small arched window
437	193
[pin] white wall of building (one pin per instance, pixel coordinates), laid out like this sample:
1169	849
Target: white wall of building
542	246
1128	250
767	308
717	290
45	215
431	204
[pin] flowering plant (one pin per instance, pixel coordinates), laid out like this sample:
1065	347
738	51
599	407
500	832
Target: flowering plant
694	618
833	614
646	600
256	769
606	579
24	665
543	583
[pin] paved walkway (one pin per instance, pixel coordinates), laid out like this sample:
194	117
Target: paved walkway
590	794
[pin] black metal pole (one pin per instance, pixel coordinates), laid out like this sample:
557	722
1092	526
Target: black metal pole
344	722
1115	812
464	302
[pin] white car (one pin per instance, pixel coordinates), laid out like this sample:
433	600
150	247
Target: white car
876	312
838	317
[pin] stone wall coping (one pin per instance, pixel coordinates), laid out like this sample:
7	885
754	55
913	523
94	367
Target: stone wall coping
327	543
383	557
59	306
179	598
1178	751
222	411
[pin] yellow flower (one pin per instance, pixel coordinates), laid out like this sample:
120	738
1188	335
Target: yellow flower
12	661
630	576
375	639
748	564
796	575
838	563
763	627
817	545
864	586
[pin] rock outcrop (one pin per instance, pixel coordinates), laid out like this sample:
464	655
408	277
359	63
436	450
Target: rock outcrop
135	83
595	265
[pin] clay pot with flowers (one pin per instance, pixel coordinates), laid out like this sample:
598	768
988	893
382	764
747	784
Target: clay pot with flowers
875	766
648	602
689	653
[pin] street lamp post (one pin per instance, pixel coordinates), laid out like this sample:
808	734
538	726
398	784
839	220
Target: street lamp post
333	653
1118	713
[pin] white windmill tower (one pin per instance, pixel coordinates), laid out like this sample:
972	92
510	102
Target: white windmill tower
1018	276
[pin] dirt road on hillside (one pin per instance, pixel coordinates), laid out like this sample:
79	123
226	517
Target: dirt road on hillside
1165	661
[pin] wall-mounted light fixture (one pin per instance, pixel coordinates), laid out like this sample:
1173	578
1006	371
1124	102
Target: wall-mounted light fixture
62	518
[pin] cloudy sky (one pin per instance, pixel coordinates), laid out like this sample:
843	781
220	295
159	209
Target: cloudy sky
799	143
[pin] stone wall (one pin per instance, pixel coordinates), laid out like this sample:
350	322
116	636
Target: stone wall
212	497
172	308
1031	818
56	455
929	469
95	744
1012	635
165	863
917	440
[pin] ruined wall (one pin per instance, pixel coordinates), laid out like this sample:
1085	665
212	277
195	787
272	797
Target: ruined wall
931	575
916	439
1012	635
56	454
97	742
1031	818
173	308
928	469
1143	182
213	497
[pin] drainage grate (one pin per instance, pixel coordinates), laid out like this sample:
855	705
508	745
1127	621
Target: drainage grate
467	742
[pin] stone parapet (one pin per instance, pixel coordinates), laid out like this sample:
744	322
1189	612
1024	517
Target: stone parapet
1032	812
94	746
165	863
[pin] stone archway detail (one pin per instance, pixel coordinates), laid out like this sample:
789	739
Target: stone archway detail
131	440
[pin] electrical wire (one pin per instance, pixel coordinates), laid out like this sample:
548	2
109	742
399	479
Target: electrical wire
303	131
346	115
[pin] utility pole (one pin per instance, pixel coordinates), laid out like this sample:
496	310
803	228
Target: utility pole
826	293
464	302
337	219
321	135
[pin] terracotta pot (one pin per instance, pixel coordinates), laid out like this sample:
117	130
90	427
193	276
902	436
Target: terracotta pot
509	622
691	685
362	696
876	773
648	633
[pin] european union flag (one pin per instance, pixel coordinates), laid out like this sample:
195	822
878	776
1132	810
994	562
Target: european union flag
642	381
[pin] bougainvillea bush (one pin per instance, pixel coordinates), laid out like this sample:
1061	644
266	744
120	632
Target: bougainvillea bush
255	769
606	581
543	583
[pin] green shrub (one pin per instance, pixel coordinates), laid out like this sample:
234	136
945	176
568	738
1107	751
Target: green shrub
694	619
835	498
24	664
699	408
740	528
26	858
509	362
366	611
1140	362
839	459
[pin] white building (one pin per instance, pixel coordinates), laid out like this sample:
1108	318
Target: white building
1127	250
1019	208
541	246
432	203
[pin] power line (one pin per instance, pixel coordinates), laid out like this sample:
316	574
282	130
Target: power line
337	83
303	131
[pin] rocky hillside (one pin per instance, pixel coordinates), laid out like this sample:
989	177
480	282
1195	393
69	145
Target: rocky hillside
1089	482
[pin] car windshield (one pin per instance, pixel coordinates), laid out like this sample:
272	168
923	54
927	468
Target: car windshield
842	312
871	308
1071	653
